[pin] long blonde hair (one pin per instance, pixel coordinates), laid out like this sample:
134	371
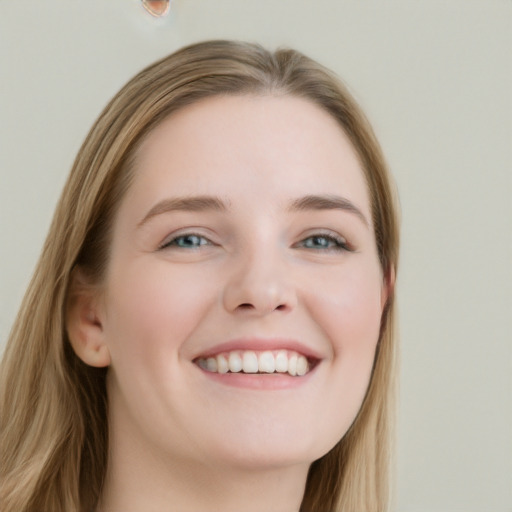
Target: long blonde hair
53	407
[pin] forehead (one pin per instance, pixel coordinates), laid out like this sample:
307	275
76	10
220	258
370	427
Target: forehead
266	146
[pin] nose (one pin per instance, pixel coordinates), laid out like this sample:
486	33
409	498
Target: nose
260	284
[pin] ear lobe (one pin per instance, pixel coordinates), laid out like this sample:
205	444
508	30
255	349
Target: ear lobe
84	323
388	287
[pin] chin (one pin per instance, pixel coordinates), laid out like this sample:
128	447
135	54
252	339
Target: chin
271	447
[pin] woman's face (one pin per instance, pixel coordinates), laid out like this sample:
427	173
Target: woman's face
245	240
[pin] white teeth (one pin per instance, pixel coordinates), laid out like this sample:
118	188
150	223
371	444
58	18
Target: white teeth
222	364
211	364
266	362
235	362
250	362
302	365
292	365
280	361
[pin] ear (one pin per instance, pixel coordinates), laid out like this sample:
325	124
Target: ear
85	321
388	287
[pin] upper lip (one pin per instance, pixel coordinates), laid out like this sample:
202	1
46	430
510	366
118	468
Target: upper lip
259	345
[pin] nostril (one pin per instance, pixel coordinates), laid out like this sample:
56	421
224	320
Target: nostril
246	306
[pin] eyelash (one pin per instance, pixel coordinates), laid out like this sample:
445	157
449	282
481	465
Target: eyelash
334	242
174	242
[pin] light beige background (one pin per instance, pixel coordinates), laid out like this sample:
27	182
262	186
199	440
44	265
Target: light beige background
435	79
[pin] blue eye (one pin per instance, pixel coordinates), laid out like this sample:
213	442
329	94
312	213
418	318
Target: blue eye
324	242
187	241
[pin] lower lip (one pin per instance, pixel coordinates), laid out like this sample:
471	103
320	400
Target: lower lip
259	381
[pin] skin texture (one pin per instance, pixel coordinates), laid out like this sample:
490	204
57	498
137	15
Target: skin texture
257	270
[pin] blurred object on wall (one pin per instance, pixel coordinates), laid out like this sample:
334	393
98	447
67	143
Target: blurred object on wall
157	8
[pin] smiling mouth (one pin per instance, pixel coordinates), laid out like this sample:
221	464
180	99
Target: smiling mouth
253	362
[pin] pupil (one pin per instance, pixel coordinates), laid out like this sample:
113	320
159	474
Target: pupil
190	240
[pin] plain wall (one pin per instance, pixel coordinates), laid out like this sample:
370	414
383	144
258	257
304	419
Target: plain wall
435	79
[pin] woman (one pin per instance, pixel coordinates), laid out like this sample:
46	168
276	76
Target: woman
210	326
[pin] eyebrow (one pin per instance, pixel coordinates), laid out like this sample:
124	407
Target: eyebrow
212	203
190	204
328	202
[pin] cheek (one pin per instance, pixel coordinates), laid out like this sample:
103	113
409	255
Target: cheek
349	308
153	309
349	311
